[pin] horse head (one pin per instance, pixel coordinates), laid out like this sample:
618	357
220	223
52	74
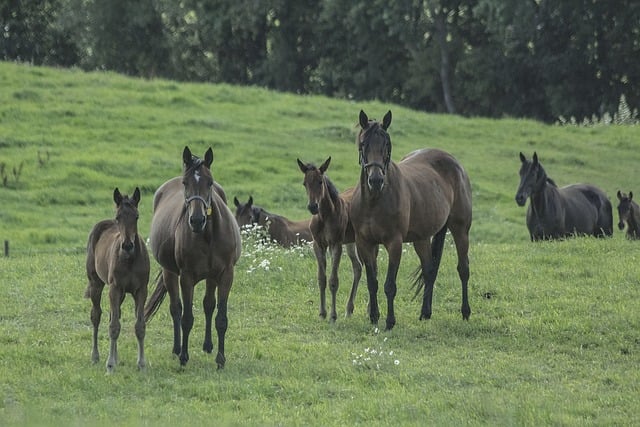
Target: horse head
374	146
246	213
314	183
127	219
532	178
625	208
198	183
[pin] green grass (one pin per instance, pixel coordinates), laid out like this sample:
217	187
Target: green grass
554	335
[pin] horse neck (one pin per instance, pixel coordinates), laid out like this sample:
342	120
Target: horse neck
330	201
634	218
544	198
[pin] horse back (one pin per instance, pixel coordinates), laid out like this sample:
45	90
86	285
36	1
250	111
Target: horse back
587	209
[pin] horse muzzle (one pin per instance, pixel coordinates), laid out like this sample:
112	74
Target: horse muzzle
621	225
197	223
128	247
376	183
313	208
521	199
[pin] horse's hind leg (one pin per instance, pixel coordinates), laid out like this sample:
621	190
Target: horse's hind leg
208	305
226	280
461	239
140	327
334	281
115	298
94	291
175	307
356	266
430	254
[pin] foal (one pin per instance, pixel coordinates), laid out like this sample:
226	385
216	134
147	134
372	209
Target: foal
117	256
331	229
629	212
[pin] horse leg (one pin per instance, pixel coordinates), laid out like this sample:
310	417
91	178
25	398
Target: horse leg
321	258
140	297
208	305
368	255
187	282
430	261
394	249
461	239
356	266
336	254
226	280
94	291
175	307
116	295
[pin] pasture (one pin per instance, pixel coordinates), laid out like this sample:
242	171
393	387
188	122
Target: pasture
554	334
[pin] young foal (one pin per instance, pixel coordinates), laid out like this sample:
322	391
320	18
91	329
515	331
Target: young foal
555	213
629	212
117	255
331	229
281	230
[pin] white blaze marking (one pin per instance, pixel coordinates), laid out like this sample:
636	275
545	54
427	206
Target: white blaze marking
197	176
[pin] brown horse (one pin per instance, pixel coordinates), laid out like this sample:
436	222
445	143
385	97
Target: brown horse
281	230
194	237
556	213
331	229
629	212
117	255
415	200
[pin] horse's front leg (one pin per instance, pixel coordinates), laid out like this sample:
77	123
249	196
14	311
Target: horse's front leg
368	254
140	328
356	266
334	281
226	280
321	259
209	305
94	291
116	295
187	282
394	250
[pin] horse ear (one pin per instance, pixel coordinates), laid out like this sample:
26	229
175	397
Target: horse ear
535	157
187	157
302	166
236	202
364	120
117	197
208	157
630	195
325	165
136	196
522	157
619	195
250	201
386	120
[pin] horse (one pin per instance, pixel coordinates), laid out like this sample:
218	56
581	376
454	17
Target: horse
629	212
194	237
556	213
281	230
331	229
117	256
416	200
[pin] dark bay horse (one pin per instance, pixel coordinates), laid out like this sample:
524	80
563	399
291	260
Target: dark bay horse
194	237
629	212
415	200
281	230
331	229
556	213
117	256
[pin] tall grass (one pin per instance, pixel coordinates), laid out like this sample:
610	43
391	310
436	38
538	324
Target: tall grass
553	337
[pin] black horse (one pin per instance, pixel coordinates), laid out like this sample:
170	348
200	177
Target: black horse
629	212
555	213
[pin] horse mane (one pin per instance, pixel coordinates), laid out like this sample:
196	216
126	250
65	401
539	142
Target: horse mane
551	182
333	191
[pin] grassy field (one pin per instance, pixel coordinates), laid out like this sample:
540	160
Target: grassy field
554	335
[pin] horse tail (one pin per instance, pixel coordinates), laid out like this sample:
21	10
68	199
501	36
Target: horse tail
437	246
156	298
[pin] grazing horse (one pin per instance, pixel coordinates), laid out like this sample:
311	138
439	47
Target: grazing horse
117	255
555	213
194	237
331	229
281	230
415	200
629	212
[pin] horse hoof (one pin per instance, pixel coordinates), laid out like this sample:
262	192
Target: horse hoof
220	360
390	325
207	347
184	358
425	316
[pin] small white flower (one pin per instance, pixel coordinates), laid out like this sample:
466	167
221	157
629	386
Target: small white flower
396	362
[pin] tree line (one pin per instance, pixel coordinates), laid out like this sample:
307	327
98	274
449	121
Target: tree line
540	59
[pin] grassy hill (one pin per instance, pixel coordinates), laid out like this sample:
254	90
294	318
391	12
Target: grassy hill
554	335
76	136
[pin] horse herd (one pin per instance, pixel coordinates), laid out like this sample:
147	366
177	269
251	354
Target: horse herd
194	235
